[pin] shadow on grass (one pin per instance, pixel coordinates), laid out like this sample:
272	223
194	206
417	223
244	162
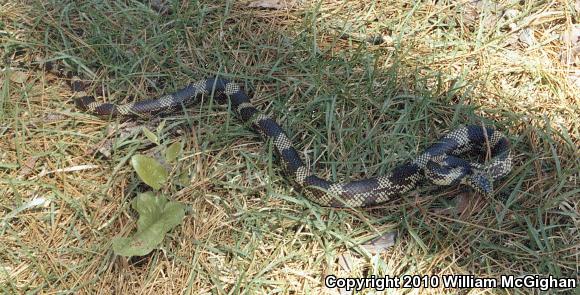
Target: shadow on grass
353	109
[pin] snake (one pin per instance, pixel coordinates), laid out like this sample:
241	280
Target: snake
440	163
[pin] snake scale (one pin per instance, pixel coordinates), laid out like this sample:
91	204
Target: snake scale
439	163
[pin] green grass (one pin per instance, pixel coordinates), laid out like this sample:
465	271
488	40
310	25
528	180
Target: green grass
353	109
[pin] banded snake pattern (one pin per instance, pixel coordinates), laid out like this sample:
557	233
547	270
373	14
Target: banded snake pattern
440	163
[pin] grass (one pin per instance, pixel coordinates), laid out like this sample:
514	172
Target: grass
353	109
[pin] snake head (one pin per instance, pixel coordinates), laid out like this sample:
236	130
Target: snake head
480	181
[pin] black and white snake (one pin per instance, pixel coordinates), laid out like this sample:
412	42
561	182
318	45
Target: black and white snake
439	163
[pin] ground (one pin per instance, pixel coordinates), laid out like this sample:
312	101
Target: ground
353	108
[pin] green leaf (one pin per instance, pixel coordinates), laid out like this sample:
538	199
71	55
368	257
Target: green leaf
149	170
161	126
184	179
133	246
157	216
173	151
152	137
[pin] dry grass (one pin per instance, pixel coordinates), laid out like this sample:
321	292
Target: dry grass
355	109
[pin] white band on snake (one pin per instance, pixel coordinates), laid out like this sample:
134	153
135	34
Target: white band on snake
439	163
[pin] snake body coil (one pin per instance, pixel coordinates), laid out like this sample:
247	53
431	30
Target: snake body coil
438	163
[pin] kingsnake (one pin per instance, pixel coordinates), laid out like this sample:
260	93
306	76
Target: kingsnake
439	163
